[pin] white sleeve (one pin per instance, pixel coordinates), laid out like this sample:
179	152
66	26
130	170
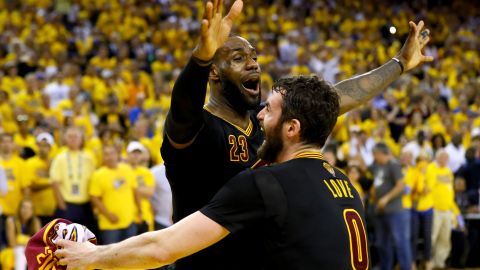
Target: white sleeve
3	182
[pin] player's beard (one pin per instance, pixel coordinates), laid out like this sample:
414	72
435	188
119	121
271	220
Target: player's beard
238	100
272	146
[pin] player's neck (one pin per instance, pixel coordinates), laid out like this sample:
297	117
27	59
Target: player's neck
228	113
293	151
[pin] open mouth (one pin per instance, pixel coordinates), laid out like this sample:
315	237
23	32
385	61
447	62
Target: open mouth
252	85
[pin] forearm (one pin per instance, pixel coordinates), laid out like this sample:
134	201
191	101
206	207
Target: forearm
145	192
39	187
137	197
188	97
141	251
361	88
58	195
97	203
10	233
146	251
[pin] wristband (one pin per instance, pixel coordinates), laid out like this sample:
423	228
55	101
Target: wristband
399	63
202	63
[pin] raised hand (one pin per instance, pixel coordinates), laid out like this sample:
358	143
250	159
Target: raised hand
411	53
214	29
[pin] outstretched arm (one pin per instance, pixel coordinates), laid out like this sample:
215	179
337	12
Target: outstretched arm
184	119
360	89
146	251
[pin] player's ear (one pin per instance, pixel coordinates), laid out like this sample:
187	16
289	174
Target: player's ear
214	73
293	128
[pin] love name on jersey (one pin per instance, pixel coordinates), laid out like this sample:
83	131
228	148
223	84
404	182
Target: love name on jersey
339	188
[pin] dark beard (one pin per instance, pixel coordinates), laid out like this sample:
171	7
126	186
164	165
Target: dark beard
239	102
272	145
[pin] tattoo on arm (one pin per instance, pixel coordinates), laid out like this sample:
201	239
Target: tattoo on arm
365	86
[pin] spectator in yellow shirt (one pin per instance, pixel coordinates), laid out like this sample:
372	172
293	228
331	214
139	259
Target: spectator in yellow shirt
422	211
113	192
29	99
37	175
441	177
24	140
12	82
13	166
70	174
7	119
145	183
114	119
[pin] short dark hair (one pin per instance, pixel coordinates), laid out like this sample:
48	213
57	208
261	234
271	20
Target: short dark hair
312	101
382	148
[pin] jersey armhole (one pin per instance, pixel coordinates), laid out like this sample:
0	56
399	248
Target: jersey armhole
273	196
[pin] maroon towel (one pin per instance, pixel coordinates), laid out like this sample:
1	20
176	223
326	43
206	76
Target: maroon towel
41	247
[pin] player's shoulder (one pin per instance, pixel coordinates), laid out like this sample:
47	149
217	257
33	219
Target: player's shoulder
340	173
212	121
247	174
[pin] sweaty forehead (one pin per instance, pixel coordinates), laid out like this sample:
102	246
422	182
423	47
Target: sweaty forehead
236	43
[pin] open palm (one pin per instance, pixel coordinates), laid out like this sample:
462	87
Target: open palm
411	52
215	29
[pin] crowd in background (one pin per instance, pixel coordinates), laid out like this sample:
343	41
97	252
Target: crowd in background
85	87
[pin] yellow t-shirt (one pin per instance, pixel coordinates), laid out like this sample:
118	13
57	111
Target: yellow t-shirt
95	146
51	114
28	141
423	188
115	188
73	170
442	189
409	179
411	132
144	177
36	172
29	103
14	171
459	119
153	145
7	118
359	190
105	63
156	143
13	84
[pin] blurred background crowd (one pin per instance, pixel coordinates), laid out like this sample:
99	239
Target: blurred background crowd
85	87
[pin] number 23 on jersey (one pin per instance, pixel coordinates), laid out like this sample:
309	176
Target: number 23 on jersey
238	148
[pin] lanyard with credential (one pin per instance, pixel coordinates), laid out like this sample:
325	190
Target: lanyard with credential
75	181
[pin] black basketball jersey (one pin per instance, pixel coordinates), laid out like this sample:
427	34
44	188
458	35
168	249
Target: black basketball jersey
219	152
309	214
